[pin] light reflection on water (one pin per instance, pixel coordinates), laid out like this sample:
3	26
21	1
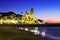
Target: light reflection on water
52	32
55	31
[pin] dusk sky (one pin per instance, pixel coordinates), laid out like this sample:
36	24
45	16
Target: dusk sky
43	9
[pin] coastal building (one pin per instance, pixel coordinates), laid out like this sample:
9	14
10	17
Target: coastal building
13	18
29	18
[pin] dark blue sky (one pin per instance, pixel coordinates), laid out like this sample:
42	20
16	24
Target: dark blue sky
43	9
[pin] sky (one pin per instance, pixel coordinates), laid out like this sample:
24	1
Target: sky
43	9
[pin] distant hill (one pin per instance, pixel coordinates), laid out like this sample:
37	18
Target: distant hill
9	13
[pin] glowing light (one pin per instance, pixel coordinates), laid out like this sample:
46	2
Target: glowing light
26	29
12	21
0	21
31	30
8	21
43	34
21	28
36	32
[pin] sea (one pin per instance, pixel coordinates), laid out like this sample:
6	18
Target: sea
51	32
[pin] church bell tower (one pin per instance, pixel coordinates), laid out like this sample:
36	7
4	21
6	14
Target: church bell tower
31	11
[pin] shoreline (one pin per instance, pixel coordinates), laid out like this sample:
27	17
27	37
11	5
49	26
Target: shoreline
17	34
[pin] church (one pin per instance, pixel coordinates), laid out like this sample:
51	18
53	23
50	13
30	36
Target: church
29	18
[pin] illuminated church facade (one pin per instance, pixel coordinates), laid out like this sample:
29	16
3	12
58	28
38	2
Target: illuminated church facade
29	18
